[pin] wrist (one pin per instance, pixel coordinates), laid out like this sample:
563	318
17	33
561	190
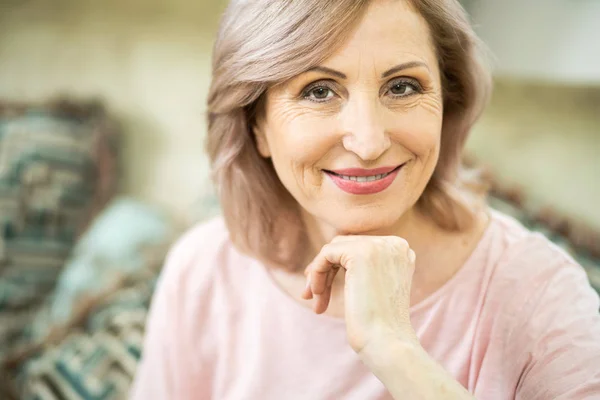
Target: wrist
389	349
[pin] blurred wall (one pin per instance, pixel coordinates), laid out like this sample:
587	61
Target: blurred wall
545	139
548	40
542	128
149	60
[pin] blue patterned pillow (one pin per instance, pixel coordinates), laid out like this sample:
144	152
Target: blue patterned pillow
96	361
55	167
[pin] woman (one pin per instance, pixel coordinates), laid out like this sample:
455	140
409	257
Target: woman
335	133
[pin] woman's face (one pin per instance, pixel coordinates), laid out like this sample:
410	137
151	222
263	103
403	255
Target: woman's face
356	140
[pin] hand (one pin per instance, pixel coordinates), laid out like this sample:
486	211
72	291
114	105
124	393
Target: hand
379	271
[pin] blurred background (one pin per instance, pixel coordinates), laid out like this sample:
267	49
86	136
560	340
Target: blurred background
101	189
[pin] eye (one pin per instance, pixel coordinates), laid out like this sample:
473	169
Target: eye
401	89
318	92
321	93
404	87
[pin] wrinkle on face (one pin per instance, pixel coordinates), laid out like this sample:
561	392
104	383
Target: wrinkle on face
430	102
305	137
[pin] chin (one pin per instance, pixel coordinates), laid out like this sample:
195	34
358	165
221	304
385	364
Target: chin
363	222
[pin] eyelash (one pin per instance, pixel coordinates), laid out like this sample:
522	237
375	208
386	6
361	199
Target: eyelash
317	85
411	82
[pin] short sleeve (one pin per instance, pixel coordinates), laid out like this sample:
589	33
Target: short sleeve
559	337
157	371
174	362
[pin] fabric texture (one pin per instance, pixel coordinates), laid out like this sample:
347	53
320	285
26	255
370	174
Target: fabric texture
113	268
97	359
57	168
519	320
115	245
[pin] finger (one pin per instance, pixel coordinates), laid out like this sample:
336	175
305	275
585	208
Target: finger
318	281
322	301
412	257
331	275
330	248
330	256
346	238
307	293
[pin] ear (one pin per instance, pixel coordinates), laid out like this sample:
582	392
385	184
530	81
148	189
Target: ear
261	140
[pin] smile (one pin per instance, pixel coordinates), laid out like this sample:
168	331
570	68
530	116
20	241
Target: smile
362	178
364	181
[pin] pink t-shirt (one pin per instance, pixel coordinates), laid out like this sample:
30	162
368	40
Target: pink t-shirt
518	320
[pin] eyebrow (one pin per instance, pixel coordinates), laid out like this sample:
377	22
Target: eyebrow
401	67
329	71
397	68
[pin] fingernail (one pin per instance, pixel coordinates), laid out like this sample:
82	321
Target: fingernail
308	294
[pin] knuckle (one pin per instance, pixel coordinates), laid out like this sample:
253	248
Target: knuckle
412	256
399	242
325	248
337	239
401	249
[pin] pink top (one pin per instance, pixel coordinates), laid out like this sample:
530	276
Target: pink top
519	320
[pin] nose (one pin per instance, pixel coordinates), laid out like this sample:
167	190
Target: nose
364	129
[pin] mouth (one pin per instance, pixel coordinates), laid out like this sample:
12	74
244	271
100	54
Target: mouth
364	178
364	181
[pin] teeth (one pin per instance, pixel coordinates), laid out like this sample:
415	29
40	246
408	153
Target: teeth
363	178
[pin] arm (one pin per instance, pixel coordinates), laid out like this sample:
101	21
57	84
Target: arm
560	339
553	345
377	297
408	372
176	337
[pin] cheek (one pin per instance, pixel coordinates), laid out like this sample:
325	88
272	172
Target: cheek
419	131
300	137
299	142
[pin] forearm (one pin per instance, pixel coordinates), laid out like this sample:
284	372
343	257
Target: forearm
408	372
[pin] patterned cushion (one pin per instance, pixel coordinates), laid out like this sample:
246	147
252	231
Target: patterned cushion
56	164
116	243
95	361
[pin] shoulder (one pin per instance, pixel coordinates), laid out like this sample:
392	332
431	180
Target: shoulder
201	240
547	312
536	282
523	255
527	277
180	341
196	256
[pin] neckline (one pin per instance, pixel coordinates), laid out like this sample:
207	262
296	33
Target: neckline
414	309
287	298
463	271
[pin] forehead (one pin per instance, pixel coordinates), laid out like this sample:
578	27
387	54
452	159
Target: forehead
391	31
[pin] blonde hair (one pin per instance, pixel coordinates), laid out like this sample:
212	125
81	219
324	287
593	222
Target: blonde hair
262	43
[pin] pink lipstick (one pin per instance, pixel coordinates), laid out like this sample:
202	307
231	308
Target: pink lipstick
364	181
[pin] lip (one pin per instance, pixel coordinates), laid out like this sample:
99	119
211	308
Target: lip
364	172
362	188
